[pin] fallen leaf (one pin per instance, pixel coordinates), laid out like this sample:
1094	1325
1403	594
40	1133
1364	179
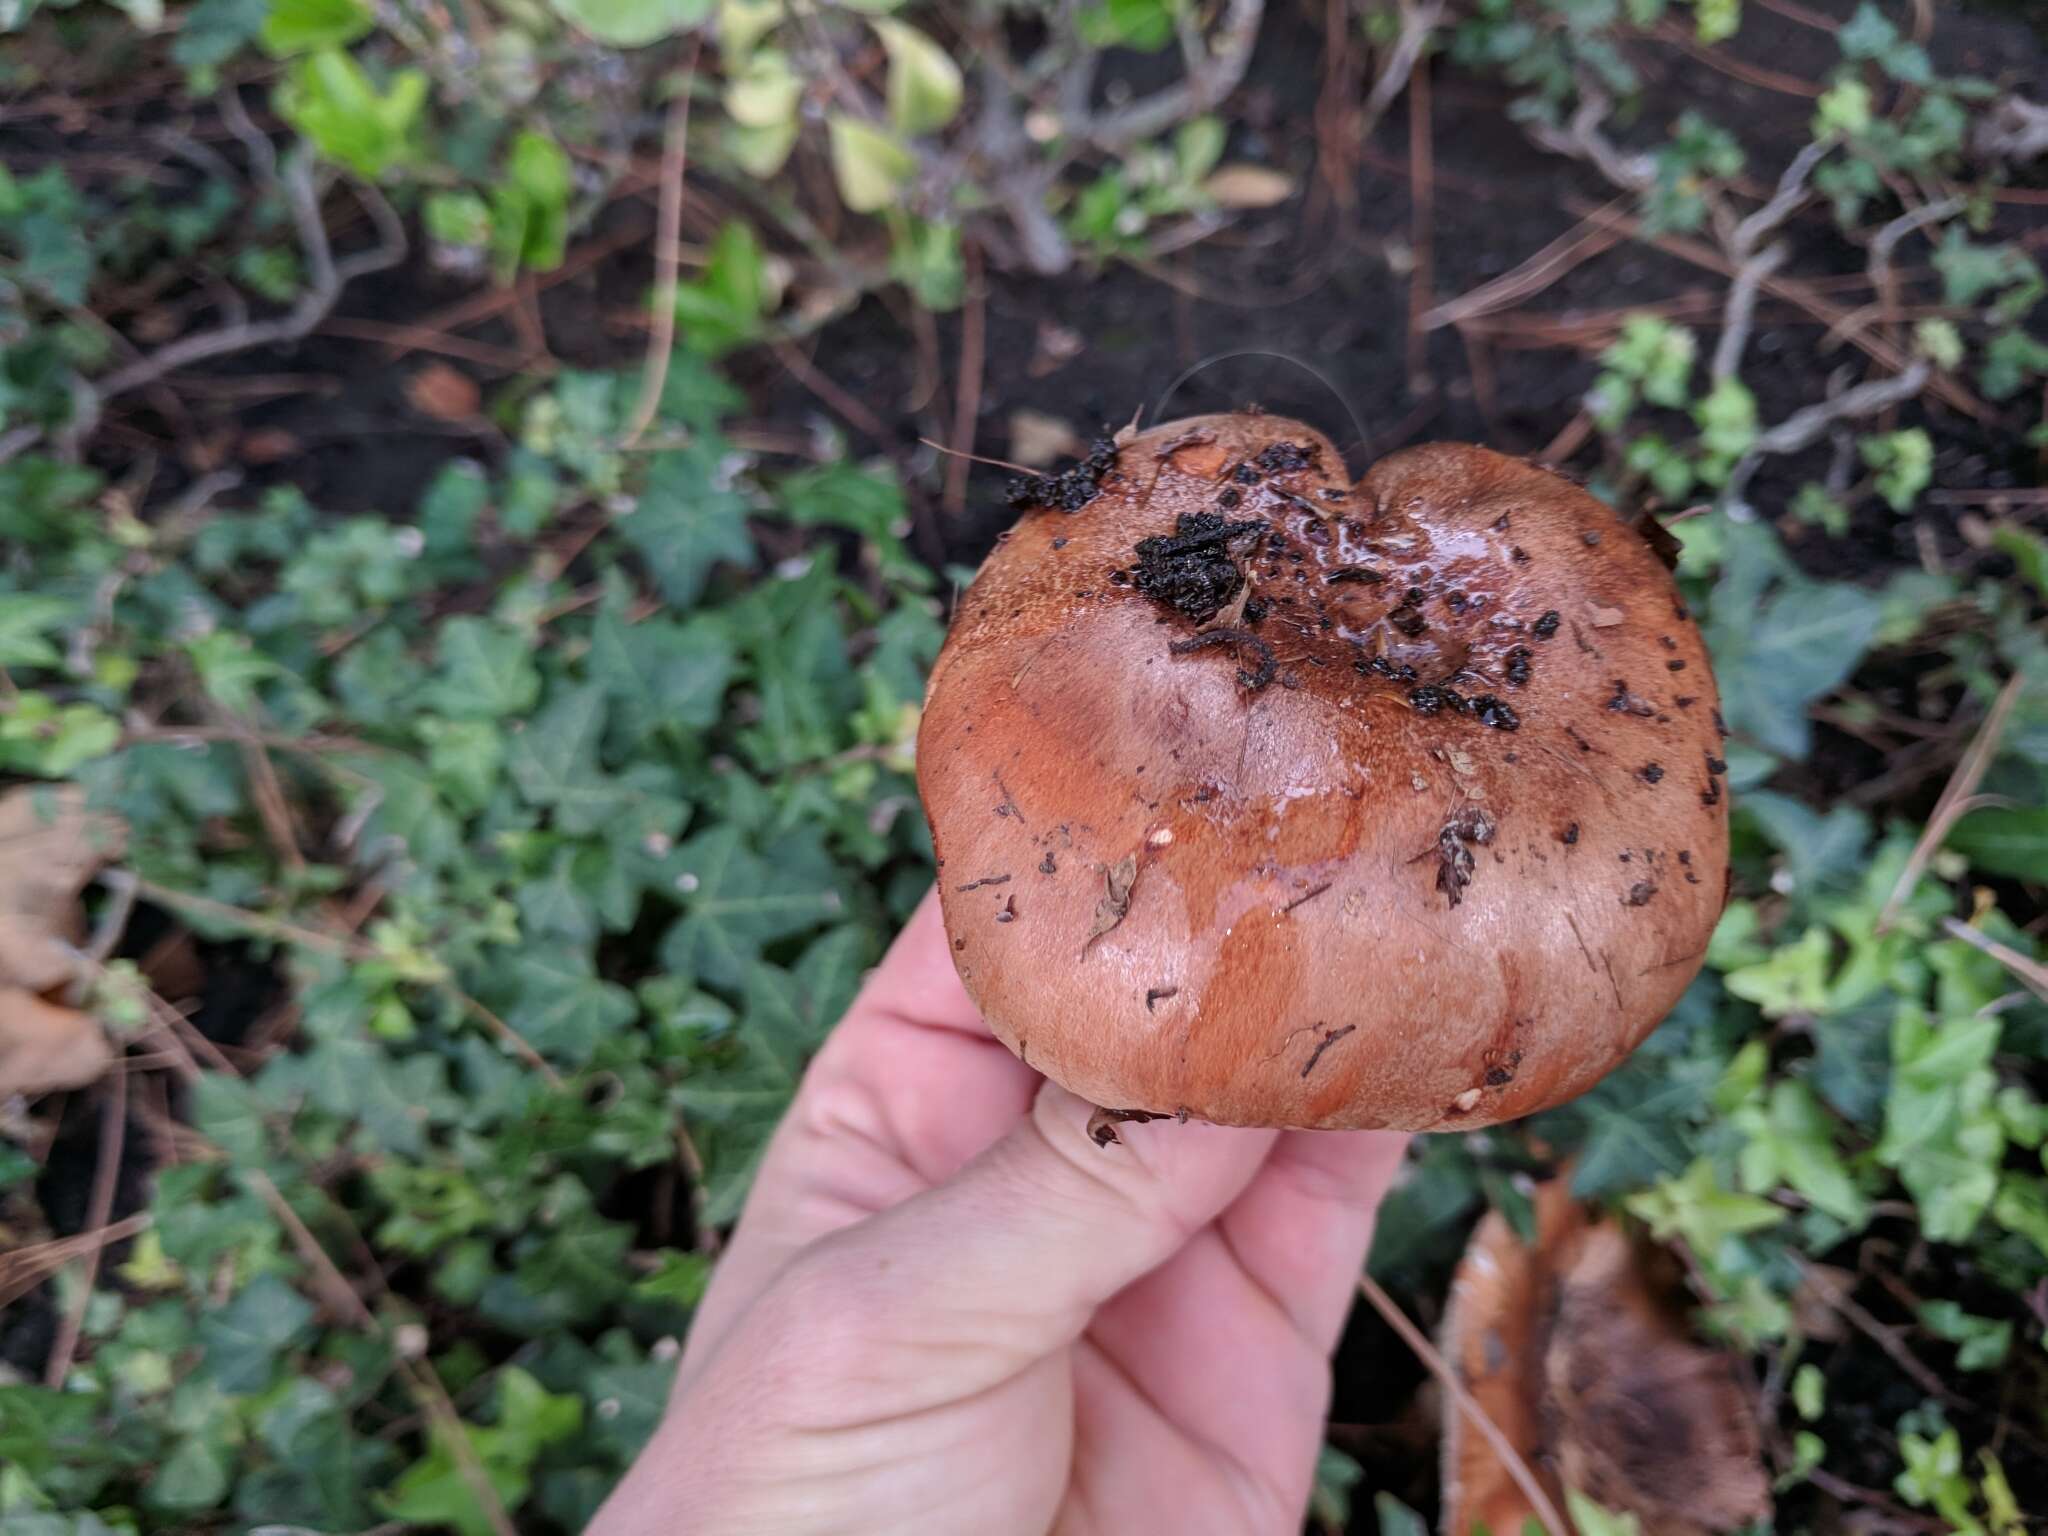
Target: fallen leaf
444	393
44	1047
1248	186
1116	898
1577	1351
1057	346
50	846
1038	440
267	445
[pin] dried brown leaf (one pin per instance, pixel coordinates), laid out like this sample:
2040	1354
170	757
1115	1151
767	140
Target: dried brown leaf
44	1046
1575	1348
1038	440
1248	186
444	393
50	846
1117	881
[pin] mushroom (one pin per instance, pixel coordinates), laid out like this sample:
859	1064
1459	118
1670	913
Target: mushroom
1270	799
1572	1347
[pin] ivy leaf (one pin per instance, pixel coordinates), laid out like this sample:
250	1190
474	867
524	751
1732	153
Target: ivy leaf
661	674
924	83
736	901
484	670
561	1008
1771	664
2004	840
25	618
1942	1131
435	1490
687	520
870	164
193	1477
786	1018
300	26
244	1339
631	23
1792	1141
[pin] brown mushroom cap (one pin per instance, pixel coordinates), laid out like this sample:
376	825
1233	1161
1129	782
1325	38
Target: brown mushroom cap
1388	805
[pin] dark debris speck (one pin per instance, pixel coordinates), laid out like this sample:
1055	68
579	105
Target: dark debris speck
1546	626
1072	488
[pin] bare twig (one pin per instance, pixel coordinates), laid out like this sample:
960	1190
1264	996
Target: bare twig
967	385
1581	139
1555	261
1516	1464
1422	221
667	259
1738	315
1788	199
2031	973
106	1175
2015	129
23	1269
1417	23
1211	78
329	278
1754	267
1836	1295
1955	800
1809	425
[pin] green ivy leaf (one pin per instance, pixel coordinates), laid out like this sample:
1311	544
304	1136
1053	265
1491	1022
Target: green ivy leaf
2004	840
327	96
244	1339
924	83
869	163
688	520
484	670
736	901
632	23
300	26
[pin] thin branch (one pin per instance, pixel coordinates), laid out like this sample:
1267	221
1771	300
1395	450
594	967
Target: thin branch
2031	973
667	256
1205	86
329	276
967	386
1581	139
1555	261
1955	799
1738	315
1790	197
1805	427
2015	129
1516	1464
1417	23
1887	239
106	1175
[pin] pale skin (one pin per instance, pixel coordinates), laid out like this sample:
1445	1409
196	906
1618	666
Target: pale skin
944	1308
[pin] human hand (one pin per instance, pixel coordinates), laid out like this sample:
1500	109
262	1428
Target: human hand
945	1309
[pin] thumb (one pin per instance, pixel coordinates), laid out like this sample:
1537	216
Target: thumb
967	1283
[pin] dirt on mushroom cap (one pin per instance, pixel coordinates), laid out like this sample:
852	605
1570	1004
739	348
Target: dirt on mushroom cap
1339	782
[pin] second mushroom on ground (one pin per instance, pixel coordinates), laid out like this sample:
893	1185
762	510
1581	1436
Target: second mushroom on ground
1266	798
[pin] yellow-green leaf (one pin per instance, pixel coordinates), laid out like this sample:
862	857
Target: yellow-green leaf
763	92
924	82
869	163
